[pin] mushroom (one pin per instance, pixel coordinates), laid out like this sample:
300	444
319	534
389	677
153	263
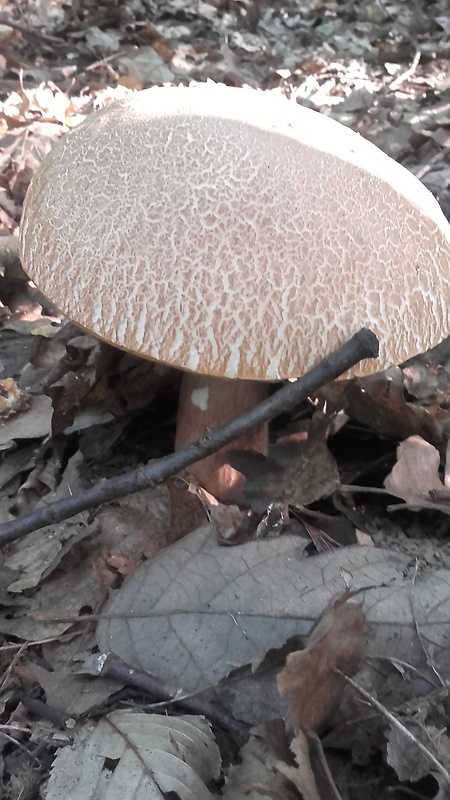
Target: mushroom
238	236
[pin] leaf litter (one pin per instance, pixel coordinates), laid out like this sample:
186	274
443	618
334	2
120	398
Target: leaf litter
76	411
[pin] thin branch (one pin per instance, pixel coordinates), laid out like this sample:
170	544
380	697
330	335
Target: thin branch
348	488
30	33
363	344
407	74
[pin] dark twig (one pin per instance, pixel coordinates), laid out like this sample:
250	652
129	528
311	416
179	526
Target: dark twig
111	666
363	344
29	33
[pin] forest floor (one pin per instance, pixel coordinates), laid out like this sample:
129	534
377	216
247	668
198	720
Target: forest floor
357	474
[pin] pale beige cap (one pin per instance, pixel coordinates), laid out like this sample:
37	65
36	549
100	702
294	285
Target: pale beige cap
233	232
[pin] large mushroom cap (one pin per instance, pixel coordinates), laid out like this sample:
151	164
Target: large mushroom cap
232	232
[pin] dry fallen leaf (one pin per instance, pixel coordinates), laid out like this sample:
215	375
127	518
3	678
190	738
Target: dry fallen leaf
416	473
197	611
31	424
379	403
132	756
67	694
313	678
408	760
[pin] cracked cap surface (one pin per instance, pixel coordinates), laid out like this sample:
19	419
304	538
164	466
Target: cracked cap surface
234	233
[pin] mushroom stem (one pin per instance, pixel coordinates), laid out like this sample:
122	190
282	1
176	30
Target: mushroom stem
205	403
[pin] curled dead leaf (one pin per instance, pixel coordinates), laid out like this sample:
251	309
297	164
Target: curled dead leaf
312	678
